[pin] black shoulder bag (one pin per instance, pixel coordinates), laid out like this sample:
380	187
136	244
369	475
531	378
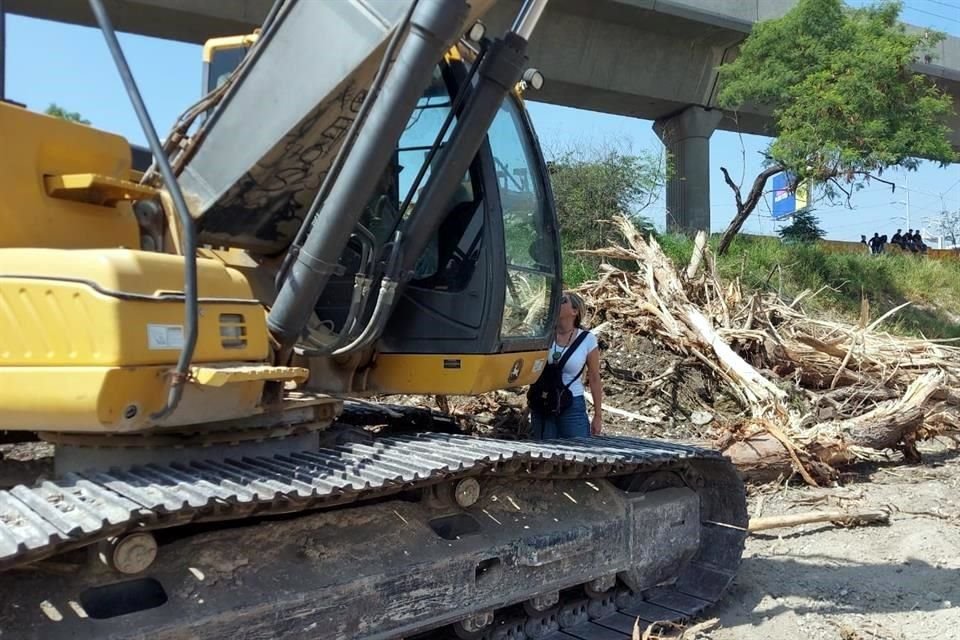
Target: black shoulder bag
548	395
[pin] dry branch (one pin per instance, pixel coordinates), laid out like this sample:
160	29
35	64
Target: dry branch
844	518
862	389
629	415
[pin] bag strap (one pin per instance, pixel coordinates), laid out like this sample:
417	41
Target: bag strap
576	377
569	352
572	348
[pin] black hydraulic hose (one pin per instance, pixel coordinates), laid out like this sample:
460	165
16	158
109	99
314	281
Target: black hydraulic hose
369	242
361	292
189	240
362	284
271	15
337	163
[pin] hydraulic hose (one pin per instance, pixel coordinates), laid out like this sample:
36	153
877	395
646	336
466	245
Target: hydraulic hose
189	240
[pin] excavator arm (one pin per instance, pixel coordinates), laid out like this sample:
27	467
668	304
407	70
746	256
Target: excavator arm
269	196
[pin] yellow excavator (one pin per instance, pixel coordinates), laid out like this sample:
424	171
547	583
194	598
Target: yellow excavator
357	207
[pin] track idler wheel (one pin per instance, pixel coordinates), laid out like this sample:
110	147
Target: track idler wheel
130	553
474	627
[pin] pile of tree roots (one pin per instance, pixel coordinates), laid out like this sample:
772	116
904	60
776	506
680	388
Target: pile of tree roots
811	395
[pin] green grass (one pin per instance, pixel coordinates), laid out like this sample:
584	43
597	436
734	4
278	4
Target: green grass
932	286
577	269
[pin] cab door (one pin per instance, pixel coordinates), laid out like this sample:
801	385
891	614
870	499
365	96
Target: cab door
487	328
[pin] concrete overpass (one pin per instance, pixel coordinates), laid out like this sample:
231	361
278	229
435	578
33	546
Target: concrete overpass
652	59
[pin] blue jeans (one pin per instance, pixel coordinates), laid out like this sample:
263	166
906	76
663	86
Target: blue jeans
572	423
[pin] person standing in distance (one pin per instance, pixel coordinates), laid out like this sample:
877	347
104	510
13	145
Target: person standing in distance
557	405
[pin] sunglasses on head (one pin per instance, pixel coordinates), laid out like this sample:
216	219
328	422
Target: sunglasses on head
564	300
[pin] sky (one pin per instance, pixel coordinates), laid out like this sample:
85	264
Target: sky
73	69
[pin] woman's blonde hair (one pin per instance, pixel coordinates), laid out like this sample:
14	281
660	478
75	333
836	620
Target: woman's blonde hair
579	306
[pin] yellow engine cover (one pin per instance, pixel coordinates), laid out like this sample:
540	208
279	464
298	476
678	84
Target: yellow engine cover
34	150
87	338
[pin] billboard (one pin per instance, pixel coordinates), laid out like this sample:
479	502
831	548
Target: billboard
785	203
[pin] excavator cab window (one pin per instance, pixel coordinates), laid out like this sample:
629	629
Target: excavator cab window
453	250
488	277
221	56
530	258
447	260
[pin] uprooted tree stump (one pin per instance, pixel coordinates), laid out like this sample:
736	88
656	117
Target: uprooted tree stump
891	425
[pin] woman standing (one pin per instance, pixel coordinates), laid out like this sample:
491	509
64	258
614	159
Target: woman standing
574	350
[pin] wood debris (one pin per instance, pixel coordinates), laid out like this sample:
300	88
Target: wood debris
629	415
812	395
843	518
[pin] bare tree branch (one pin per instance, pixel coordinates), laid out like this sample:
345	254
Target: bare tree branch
732	185
893	185
743	148
849	194
744	209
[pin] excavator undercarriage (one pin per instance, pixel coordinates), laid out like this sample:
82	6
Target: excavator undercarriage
388	538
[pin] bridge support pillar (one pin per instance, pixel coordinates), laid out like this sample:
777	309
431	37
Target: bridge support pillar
687	138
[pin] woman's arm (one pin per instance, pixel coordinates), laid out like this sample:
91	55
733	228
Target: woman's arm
596	390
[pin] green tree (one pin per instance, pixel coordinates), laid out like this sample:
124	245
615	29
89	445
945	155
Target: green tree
843	96
803	228
57	111
593	184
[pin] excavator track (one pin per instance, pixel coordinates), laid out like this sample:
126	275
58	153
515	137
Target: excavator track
83	509
580	615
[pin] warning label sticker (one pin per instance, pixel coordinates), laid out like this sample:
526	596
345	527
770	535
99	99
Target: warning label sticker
165	336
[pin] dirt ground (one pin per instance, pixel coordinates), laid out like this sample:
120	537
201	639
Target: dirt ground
891	582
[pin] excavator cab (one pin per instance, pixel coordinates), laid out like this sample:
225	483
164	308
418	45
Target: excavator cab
477	310
221	57
487	282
